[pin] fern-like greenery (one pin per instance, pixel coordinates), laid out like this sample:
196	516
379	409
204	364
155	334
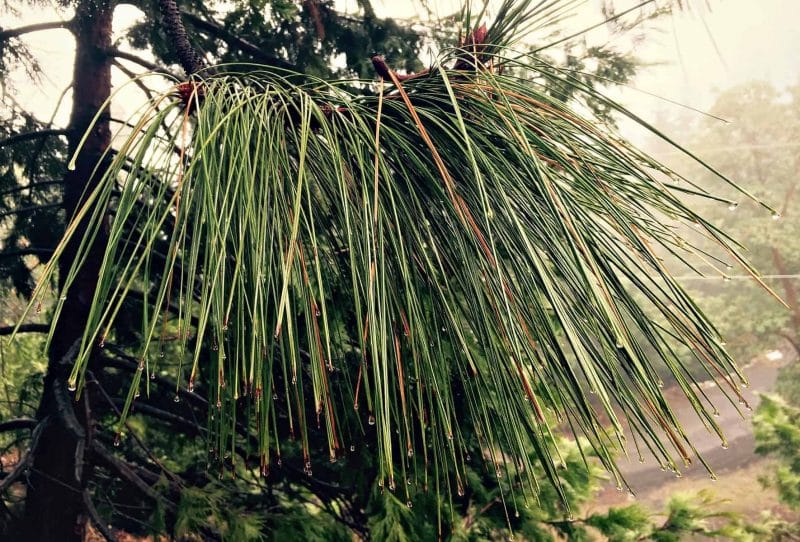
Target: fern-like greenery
456	255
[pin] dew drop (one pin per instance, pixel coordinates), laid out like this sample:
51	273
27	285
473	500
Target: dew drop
63	298
713	477
274	396
140	366
371	420
726	278
776	216
619	487
153	375
177	398
352	448
733	206
409	504
724	444
136	394
410	453
116	441
190	387
71	386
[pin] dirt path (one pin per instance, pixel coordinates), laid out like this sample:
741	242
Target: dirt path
645	478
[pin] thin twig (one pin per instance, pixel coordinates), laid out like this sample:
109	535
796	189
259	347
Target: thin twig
95	518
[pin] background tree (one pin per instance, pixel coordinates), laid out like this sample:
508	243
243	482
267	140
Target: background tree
756	142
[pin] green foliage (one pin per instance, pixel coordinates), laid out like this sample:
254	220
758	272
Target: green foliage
624	524
351	246
777	432
203	508
757	144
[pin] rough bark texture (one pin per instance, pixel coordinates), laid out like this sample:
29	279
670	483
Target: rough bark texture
54	508
190	60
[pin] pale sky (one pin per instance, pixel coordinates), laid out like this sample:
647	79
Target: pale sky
699	52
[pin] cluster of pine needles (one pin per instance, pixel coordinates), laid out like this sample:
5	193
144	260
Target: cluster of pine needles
456	259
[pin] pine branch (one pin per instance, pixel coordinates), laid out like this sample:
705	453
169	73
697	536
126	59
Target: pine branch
95	518
24	328
31	251
30	209
38	27
31	186
25	462
17	423
27	136
130	57
127	473
216	31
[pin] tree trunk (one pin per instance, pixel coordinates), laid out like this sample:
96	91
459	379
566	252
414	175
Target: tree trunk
54	508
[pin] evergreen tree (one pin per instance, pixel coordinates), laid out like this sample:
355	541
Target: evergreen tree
173	459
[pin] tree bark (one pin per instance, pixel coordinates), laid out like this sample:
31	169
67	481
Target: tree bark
54	508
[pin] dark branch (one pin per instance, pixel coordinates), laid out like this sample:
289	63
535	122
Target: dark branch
38	27
17	423
24	328
95	518
25	462
127	473
27	136
32	186
31	251
116	53
190	60
30	209
219	32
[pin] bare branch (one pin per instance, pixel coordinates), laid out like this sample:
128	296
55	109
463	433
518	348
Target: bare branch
38	27
32	186
31	209
24	328
27	136
30	251
126	472
116	53
17	423
95	518
25	462
217	31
